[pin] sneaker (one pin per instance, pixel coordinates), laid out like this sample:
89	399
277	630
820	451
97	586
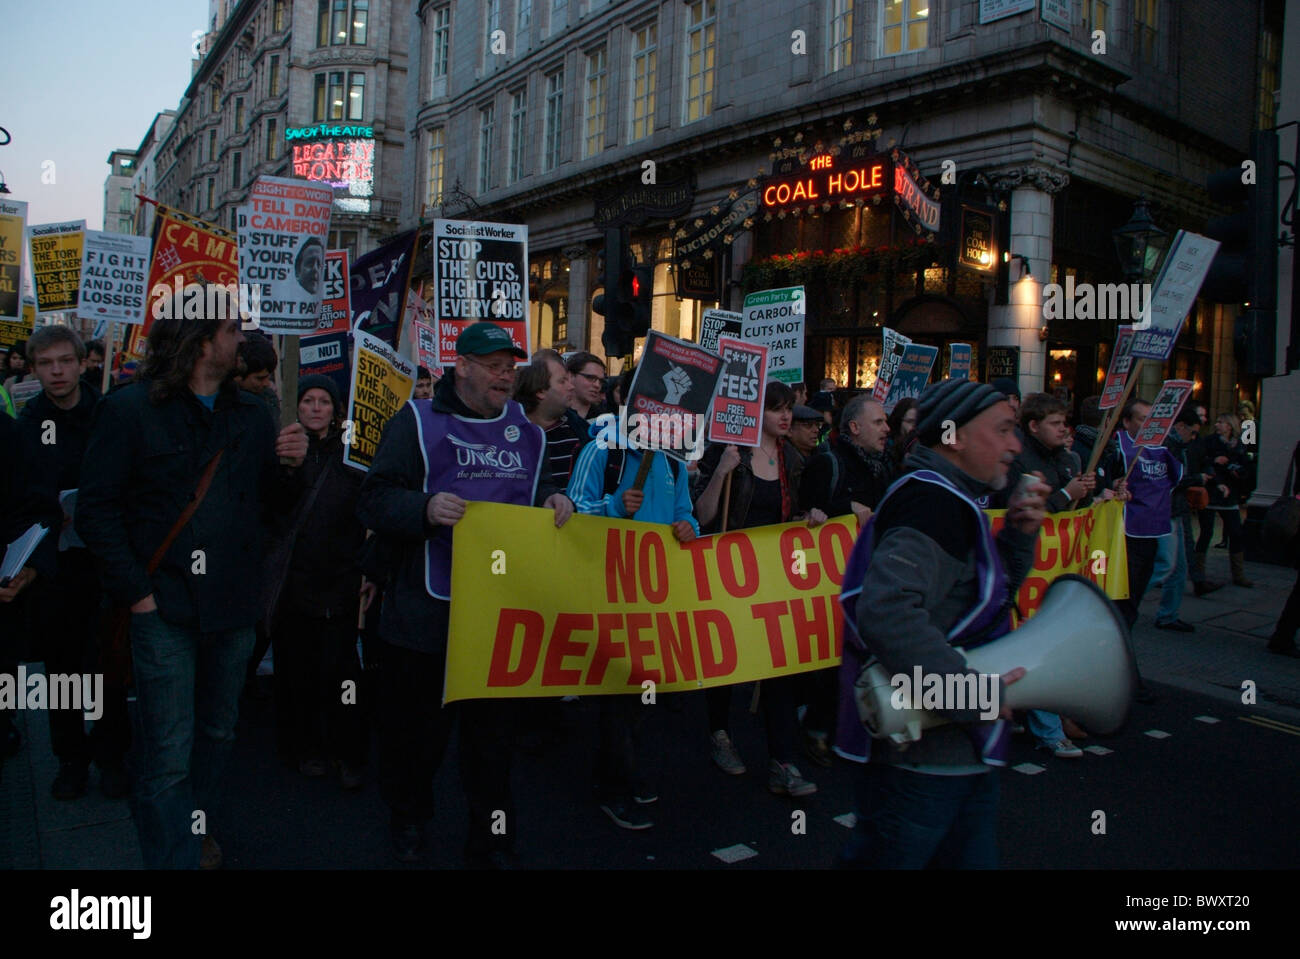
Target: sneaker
817	748
71	781
114	783
784	780
408	841
725	755
626	814
645	794
1064	749
1177	626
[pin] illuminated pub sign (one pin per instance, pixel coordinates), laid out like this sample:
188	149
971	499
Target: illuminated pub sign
829	178
342	157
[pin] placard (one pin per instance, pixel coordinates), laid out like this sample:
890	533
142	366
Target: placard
55	250
13	219
282	231
991	10
336	295
382	381
912	375
672	390
327	355
736	416
480	272
1121	361
718	323
1172	295
1173	394
775	319
959	356
891	354
114	278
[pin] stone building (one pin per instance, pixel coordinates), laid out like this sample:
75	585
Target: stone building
1014	137
119	201
294	88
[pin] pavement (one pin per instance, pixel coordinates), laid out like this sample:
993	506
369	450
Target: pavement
1172	777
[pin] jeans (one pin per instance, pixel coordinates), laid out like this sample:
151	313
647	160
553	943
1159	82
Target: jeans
1171	571
1045	726
187	700
620	721
778	699
1185	523
911	820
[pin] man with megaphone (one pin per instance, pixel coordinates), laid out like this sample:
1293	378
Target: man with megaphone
925	577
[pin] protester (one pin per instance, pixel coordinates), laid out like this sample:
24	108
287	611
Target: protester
800	394
55	428
1225	456
1086	433
1145	477
1171	569
925	576
413	495
256	372
1008	388
805	432
423	384
763	492
94	372
545	390
902	421
588	384
852	473
18	511
185	467
15	366
603	484
316	578
6	403
1042	423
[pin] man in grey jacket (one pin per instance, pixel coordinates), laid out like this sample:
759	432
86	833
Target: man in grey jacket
931	577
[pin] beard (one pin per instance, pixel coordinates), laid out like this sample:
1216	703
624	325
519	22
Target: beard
999	482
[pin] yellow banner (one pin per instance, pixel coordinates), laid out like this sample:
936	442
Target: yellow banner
604	606
56	263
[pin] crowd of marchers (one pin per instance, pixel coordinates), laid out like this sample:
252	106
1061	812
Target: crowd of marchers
195	541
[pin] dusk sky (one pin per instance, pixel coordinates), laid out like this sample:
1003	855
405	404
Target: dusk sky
82	78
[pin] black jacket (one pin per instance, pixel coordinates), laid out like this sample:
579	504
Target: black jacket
742	484
1192	456
18	506
1237	474
1058	467
393	503
143	464
324	575
56	465
863	477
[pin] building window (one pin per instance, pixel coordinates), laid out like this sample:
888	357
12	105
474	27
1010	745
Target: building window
356	95
331	22
559	15
273	86
518	135
839	35
441	41
486	121
212	145
594	113
1270	49
493	23
344	240
701	43
554	120
236	170
1096	16
214	99
281	17
272	140
523	20
239	115
1145	22
437	159
643	82
906	26
360	20
211	190
124	200
329	96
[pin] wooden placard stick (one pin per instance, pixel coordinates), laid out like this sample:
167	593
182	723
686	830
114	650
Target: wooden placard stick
110	350
288	381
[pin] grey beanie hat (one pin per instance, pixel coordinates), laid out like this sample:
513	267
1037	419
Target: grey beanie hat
319	381
957	400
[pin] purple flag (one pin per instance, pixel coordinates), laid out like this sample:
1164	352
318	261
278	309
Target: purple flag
379	281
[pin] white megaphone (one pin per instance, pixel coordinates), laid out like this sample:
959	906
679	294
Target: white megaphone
1077	661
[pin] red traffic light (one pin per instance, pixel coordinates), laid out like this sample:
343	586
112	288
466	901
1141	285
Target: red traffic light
636	285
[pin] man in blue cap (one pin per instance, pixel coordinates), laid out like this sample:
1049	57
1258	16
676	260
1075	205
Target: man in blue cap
415	493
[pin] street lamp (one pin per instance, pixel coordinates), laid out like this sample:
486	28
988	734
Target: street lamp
1140	244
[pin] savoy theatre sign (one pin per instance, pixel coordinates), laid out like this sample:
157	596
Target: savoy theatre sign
828	178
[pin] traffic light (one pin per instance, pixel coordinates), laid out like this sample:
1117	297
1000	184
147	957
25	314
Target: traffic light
1245	269
641	296
625	304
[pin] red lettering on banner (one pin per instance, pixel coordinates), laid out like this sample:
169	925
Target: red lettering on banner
828	536
799	537
725	662
499	672
697	548
738	542
560	647
1031	592
652	547
1046	557
606	648
675	644
620	566
806	626
770	614
1081	532
638	648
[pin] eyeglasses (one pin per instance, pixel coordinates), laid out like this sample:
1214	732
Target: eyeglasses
591	376
496	369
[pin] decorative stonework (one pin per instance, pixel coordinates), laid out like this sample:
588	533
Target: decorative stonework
1047	179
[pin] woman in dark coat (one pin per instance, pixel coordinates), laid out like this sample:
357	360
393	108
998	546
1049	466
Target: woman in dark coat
762	492
314	620
1226	456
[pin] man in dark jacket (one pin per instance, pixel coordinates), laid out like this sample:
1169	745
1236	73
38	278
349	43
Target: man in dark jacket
1172	567
853	469
55	427
545	390
192	619
17	514
925	578
413	495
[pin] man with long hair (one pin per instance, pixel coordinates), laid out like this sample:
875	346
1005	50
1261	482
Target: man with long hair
153	444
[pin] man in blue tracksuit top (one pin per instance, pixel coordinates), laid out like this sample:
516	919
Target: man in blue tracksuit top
601	485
